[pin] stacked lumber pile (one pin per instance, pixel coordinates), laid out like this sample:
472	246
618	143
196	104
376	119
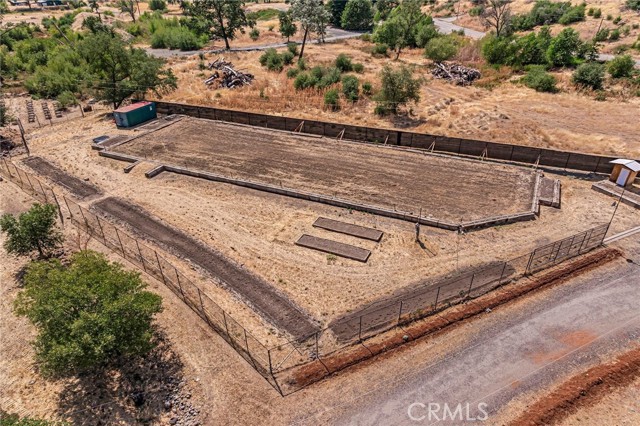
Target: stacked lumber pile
455	73
225	75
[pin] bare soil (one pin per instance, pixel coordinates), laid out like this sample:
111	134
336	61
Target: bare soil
443	188
582	390
257	292
74	185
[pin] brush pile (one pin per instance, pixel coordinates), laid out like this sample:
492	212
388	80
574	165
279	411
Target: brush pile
225	75
455	73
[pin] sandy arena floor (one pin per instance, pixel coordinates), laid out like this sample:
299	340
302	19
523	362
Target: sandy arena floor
443	188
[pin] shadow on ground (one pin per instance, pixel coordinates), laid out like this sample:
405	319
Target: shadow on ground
144	390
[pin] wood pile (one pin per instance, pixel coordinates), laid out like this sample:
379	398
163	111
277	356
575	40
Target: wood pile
225	75
455	73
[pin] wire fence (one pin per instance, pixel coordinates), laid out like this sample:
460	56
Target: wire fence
291	366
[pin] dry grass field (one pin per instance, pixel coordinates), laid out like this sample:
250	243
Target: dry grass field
498	108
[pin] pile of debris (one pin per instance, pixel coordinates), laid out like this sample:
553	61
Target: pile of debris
227	76
455	73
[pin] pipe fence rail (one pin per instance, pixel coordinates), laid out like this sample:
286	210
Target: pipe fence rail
285	365
435	143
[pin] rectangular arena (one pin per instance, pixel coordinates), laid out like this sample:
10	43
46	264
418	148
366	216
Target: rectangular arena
451	190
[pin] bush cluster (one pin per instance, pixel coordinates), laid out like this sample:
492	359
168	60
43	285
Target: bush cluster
547	12
540	80
275	61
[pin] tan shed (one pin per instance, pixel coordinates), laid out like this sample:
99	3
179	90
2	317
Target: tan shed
624	171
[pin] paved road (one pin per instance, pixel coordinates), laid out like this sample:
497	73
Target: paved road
445	26
510	352
333	34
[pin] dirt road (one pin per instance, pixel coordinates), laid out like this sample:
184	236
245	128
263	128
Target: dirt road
512	352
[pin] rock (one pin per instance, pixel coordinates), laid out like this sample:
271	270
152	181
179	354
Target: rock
167	405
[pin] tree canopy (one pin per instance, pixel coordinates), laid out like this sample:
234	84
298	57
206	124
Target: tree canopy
225	17
406	26
34	230
398	87
119	71
87	313
287	26
313	18
357	15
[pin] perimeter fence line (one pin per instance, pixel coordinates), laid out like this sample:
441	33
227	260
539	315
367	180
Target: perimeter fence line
280	364
591	163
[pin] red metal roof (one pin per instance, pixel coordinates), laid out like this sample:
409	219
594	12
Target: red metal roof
132	106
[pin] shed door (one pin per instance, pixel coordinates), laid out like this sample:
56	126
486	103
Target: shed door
622	177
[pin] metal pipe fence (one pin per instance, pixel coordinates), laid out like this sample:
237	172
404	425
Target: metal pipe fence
283	364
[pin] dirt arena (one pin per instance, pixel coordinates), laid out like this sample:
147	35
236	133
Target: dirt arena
442	188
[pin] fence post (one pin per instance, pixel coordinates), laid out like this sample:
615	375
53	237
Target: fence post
270	364
526	271
504	267
437	296
473	276
29	180
68	208
86	223
18	173
122	246
180	285
139	252
159	266
59	209
400	312
46	199
246	343
104	237
7	166
205	314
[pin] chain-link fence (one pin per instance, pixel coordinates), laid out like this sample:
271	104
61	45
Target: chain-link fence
290	366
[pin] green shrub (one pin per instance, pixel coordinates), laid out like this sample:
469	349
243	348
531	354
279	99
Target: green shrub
609	17
175	38
357	15
621	66
633	4
293	48
380	49
617	20
358	67
573	14
602	35
292	72
303	81
540	80
287	57
351	87
330	76
590	11
302	64
66	99
343	63
157	5
589	75
272	60
597	14
615	35
254	34
332	99
441	49
476	11
367	88
263	15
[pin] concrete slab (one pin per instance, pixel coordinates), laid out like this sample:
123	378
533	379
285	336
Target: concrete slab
348	228
334	247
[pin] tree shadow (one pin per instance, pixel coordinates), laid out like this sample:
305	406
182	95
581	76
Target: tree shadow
406	121
132	391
